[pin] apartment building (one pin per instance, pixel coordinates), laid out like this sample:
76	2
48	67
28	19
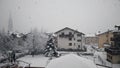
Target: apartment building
68	38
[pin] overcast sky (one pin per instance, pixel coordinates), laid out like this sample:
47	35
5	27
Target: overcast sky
87	16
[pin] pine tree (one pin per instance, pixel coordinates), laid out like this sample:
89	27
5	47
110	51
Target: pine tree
50	49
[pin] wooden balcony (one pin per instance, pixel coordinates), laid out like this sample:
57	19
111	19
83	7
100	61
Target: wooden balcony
66	36
113	51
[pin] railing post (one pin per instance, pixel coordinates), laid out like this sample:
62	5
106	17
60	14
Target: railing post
29	65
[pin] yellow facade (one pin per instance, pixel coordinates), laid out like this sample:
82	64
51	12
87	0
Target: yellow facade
104	38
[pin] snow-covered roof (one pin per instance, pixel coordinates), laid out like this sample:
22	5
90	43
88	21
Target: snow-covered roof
69	29
105	32
71	61
90	35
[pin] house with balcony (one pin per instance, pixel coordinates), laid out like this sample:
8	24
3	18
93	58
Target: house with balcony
113	52
68	38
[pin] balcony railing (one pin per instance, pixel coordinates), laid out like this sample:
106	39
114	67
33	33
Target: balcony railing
113	51
67	35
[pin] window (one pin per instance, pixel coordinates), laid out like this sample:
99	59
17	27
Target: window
70	39
62	33
78	40
74	38
74	44
107	41
70	44
107	35
111	57
70	33
78	34
78	46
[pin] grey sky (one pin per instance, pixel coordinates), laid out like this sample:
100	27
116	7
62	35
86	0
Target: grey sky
88	16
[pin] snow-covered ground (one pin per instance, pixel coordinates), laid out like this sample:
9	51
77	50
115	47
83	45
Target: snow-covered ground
42	61
36	61
71	61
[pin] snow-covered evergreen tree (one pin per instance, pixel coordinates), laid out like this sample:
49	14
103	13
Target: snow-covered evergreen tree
50	49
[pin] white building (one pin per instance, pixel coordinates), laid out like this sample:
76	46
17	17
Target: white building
68	38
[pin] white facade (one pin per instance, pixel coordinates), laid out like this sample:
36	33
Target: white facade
69	39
